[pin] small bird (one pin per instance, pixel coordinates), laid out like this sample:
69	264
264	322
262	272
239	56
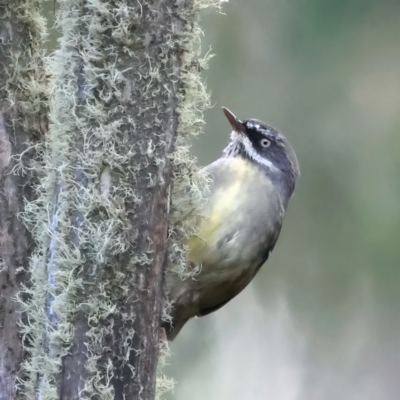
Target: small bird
251	186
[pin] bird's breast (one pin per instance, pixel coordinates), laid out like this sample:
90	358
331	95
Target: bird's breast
242	217
238	227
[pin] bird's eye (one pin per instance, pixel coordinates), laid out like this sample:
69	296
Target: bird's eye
265	143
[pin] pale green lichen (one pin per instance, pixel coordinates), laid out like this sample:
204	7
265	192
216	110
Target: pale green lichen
190	187
90	169
85	226
24	103
23	73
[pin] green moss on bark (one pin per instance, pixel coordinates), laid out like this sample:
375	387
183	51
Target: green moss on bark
23	121
116	163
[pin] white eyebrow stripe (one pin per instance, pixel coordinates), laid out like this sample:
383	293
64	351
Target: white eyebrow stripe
251	152
265	131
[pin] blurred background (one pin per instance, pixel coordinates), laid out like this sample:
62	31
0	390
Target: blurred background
321	321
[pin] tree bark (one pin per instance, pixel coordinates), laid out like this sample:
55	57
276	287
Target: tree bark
126	94
23	112
101	219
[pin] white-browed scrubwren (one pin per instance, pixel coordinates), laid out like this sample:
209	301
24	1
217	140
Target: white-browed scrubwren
251	186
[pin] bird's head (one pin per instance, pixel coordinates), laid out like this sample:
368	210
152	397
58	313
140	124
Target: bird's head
266	147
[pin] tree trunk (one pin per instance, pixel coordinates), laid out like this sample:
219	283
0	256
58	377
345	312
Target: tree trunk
23	111
101	219
126	94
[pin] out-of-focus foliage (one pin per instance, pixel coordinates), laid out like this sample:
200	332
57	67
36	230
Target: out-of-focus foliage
322	318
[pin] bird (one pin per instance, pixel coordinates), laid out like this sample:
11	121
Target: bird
251	184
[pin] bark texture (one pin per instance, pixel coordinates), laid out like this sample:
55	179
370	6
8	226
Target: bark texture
120	78
22	124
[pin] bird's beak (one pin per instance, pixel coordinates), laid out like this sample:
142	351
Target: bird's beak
235	122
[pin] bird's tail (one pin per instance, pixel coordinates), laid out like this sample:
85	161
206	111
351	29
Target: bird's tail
173	327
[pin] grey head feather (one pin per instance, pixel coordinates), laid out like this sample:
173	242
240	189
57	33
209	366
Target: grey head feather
278	161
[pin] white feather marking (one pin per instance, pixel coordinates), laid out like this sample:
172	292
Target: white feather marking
251	152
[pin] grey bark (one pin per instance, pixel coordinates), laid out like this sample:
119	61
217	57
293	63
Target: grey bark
107	163
98	215
22	123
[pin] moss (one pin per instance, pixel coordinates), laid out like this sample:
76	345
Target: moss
23	119
190	187
114	86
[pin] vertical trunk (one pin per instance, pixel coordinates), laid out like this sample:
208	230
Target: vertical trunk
101	220
22	123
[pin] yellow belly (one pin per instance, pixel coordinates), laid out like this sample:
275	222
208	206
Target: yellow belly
239	225
242	212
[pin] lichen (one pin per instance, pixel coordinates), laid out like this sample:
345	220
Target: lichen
24	72
92	165
190	186
23	120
